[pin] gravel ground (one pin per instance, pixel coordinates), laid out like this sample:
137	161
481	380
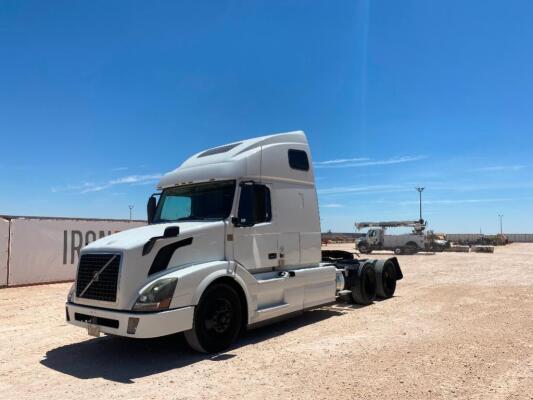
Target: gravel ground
460	326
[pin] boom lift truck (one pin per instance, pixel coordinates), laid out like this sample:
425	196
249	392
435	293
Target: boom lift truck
232	242
410	243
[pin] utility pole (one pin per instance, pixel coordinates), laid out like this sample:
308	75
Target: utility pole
501	224
420	190
131	208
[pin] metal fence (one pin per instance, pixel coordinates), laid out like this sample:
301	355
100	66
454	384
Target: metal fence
454	237
513	237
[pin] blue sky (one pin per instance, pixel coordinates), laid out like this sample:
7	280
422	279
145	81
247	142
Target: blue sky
99	98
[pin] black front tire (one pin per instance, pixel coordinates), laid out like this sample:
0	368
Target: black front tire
217	320
363	248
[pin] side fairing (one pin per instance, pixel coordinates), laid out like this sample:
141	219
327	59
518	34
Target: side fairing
268	295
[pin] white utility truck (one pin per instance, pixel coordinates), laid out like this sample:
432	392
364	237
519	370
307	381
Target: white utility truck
232	242
408	243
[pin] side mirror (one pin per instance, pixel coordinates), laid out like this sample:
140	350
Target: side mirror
171	231
150	209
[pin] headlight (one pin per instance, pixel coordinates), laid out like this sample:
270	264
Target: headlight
71	293
157	296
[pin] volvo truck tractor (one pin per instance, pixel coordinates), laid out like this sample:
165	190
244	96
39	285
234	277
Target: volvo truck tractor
232	242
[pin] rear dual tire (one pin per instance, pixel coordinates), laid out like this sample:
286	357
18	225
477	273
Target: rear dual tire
364	285
385	279
411	248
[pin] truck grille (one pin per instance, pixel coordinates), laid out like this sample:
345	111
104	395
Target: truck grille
104	287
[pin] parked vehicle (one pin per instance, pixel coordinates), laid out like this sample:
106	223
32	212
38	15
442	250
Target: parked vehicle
233	242
408	243
488	240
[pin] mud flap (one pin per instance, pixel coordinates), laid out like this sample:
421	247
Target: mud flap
388	272
399	274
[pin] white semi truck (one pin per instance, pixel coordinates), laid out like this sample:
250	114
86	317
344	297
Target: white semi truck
232	242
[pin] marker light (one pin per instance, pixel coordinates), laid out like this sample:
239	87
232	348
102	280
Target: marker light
71	293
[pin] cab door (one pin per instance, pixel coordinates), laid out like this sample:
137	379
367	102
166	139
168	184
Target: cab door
373	237
255	234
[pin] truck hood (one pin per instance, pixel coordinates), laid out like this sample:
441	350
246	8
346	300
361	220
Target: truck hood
205	242
133	238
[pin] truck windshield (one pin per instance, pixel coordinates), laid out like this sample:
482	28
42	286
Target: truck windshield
202	201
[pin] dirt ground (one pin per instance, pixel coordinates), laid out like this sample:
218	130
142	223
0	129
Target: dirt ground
460	326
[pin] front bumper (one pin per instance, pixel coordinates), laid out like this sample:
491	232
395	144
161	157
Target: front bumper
121	323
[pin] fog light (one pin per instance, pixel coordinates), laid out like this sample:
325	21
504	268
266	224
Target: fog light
132	325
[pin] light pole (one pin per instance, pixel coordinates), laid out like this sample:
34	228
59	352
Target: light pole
131	208
501	224
420	190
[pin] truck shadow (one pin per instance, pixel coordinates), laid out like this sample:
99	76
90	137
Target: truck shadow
123	360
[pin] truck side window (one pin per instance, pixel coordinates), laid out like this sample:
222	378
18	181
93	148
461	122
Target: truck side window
262	206
254	204
298	160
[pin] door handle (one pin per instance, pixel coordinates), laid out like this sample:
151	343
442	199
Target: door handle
272	256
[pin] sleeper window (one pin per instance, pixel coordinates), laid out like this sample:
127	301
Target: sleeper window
298	160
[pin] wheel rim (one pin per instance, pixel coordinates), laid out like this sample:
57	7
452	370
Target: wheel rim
218	318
